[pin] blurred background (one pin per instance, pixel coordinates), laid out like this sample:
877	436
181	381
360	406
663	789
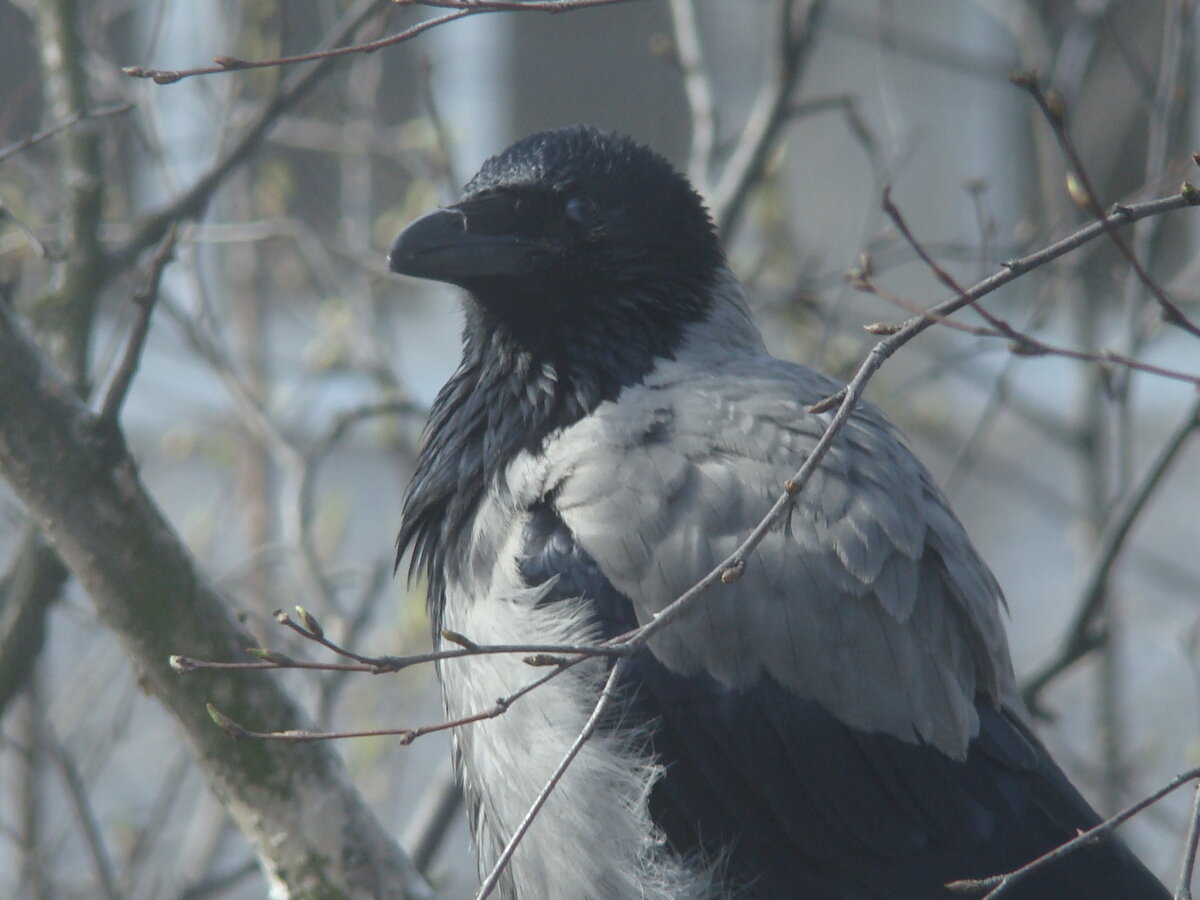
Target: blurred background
282	391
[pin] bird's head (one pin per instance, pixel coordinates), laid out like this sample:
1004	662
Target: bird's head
572	234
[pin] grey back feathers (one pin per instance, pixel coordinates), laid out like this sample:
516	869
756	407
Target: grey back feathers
870	599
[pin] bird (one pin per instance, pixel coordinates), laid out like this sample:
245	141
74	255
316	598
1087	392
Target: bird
843	720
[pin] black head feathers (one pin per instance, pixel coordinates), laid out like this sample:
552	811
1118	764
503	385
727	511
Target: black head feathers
571	232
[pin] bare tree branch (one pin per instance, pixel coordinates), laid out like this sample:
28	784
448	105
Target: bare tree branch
462	9
432	818
1021	343
32	584
86	818
1082	635
78	116
71	303
1188	866
1051	106
797	25
689	51
144	299
192	203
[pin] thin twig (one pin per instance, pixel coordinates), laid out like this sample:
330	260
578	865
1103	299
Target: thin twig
462	9
76	290
1188	866
1022	343
432	817
312	631
305	468
1081	636
797	33
689	53
1051	106
88	823
32	583
63	125
152	826
850	108
606	699
375	584
144	299
1165	123
538	654
250	409
998	885
919	46
998	401
234	64
192	203
443	157
893	213
29	794
44	251
406	735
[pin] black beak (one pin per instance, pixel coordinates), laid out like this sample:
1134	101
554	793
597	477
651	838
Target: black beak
463	243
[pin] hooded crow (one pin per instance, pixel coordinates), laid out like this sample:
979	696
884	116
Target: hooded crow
843	721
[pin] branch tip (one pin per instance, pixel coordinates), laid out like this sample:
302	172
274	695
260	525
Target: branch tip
882	328
310	622
543	659
226	724
461	639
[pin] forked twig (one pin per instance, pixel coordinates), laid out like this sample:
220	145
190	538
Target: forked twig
1052	108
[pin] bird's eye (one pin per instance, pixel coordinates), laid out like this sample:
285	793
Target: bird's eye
579	208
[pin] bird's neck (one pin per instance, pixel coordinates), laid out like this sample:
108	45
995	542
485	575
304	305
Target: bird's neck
507	396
